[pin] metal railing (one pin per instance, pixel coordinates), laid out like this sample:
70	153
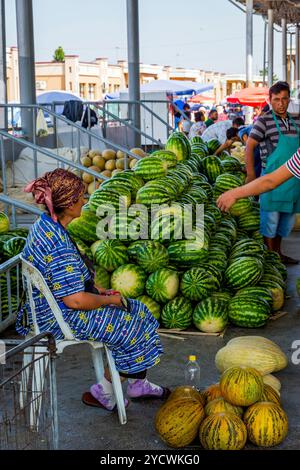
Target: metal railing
28	382
11	206
10	291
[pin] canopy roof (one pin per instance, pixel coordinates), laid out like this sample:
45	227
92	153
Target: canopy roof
202	99
176	87
289	9
252	96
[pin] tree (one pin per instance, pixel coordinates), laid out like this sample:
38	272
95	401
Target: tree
265	72
59	55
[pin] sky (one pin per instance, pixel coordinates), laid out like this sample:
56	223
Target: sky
203	34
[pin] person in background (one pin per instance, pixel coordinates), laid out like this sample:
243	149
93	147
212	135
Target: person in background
221	115
232	136
212	117
265	183
256	113
198	126
218	130
277	133
185	123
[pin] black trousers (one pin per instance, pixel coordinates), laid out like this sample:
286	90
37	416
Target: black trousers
139	375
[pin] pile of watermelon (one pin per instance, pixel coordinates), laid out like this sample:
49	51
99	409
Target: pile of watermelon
224	273
12	243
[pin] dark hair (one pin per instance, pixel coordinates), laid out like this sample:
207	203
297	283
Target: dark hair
238	121
198	116
186	106
266	108
212	111
278	87
231	132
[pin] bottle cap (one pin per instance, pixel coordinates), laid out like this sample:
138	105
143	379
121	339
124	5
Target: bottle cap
192	358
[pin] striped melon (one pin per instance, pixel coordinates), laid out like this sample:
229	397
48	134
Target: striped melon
188	253
196	284
256	291
103	202
150	168
166	156
225	182
153	306
148	195
162	285
211	315
13	247
223	431
177	314
277	293
180	146
177	421
152	256
187	392
269	394
266	423
4	223
219	405
241	386
249	221
102	277
243	272
84	227
249	312
110	254
129	280
212	392
271	380
212	168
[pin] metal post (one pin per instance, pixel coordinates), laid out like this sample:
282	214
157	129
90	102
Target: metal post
249	54
270	46
291	62
284	49
297	56
3	78
24	15
265	53
134	64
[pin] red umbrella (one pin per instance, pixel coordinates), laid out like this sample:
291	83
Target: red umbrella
202	99
252	96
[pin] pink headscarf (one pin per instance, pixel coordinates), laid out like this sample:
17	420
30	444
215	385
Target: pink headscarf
58	189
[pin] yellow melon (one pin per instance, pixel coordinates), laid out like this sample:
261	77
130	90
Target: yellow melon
120	164
87	178
86	161
99	162
109	154
110	165
269	379
266	423
120	154
133	163
185	391
138	151
92	187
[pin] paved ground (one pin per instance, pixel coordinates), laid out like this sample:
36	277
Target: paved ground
82	427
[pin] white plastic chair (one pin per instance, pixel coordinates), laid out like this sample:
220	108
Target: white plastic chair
33	278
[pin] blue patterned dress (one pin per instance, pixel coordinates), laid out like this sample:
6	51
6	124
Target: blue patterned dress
131	335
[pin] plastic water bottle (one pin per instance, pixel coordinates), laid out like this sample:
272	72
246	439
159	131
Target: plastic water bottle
192	373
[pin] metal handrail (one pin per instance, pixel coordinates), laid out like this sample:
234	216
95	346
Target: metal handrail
20	205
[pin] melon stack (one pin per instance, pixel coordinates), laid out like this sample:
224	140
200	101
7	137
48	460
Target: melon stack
223	273
244	405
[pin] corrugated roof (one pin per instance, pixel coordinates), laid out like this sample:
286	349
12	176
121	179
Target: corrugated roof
289	9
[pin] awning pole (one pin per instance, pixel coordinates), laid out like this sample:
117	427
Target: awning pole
297	56
270	46
25	36
3	78
265	53
134	64
249	54
284	49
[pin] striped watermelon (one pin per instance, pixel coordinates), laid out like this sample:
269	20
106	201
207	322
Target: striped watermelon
150	168
84	227
83	248
222	295
211	315
241	207
214	211
196	284
247	247
129	280
149	195
135	181
153	306
177	144
18	232
152	256
196	140
6	303
231	165
166	156
105	201
125	227
177	313
212	168
4	223
102	277
110	254
243	272
277	293
13	247
249	312
162	285
269	277
226	181
212	146
256	291
167	223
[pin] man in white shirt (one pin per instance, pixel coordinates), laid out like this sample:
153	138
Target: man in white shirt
218	130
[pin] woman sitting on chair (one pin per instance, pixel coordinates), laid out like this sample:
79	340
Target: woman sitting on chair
92	313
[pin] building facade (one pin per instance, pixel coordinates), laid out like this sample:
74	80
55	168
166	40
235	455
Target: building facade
93	80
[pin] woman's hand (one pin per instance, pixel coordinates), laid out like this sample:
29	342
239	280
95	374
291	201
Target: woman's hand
101	290
116	300
226	200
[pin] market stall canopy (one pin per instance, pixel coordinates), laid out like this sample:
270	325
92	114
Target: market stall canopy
252	96
289	9
176	87
202	99
57	96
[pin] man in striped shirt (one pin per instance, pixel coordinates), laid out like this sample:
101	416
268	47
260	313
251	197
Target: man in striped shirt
267	132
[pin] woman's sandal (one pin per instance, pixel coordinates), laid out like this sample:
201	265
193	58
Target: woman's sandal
88	399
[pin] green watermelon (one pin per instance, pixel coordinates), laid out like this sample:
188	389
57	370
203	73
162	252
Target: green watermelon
166	156
211	315
188	252
256	291
129	280
150	168
196	284
241	207
225	182
149	195
177	313
84	227
243	272
196	140
249	312
104	201
212	168
102	277
152	256
153	306
212	146
249	221
13	247
179	146
4	223
83	248
222	295
162	285
110	254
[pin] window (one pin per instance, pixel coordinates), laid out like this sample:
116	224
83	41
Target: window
81	90
92	87
70	69
71	86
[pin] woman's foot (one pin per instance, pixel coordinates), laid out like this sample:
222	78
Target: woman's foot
104	395
144	389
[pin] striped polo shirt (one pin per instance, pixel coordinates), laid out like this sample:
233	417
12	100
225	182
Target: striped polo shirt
265	132
293	164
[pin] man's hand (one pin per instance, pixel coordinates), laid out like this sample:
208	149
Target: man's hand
226	200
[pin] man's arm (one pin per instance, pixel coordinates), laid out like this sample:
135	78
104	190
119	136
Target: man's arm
250	166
